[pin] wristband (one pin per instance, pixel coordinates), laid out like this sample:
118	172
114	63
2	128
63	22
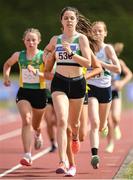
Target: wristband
71	54
37	72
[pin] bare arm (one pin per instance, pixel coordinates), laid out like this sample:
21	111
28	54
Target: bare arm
97	68
85	59
115	66
35	71
47	74
49	57
50	47
119	84
7	67
49	64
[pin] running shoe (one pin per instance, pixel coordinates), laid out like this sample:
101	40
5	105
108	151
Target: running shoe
26	161
117	133
75	146
110	147
53	148
104	132
95	161
62	169
71	172
38	141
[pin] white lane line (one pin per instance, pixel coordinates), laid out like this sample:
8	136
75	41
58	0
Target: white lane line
14	133
36	156
10	170
10	134
9	119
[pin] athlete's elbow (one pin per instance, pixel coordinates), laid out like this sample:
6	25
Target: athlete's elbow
100	69
88	64
118	70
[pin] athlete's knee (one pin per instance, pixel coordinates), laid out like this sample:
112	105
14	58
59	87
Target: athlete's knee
116	119
62	123
69	132
27	119
75	125
95	125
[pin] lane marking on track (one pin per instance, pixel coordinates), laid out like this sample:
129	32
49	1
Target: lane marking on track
36	156
11	134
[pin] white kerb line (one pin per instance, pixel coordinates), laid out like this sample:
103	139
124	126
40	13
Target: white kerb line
36	156
10	134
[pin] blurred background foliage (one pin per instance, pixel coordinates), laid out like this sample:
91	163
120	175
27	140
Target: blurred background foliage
17	15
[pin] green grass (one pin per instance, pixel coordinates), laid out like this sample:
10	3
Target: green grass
128	172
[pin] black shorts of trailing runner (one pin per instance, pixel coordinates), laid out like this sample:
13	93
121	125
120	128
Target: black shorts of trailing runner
36	97
49	97
86	99
115	94
103	95
74	88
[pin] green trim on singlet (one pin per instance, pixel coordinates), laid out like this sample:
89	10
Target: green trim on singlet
37	63
106	73
59	40
75	41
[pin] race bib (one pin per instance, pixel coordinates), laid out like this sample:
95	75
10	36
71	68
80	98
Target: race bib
29	77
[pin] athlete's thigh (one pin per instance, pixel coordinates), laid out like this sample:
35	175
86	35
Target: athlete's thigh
37	115
49	115
61	105
104	109
25	109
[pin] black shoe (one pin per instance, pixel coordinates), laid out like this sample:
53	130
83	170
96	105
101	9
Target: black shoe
53	148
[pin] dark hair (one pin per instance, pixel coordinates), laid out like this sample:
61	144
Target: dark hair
84	26
69	8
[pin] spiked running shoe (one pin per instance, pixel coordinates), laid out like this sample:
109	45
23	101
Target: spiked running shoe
117	133
95	161
104	132
62	169
25	161
75	146
110	147
38	141
71	172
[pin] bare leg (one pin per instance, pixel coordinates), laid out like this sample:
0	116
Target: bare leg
51	121
84	127
26	115
61	106
70	154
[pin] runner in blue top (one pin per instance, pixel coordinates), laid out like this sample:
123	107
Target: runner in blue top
118	82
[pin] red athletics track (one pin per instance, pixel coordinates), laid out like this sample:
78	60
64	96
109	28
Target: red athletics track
45	163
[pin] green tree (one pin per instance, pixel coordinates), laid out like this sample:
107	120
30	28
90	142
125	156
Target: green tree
17	15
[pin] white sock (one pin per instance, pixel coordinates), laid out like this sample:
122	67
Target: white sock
28	155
